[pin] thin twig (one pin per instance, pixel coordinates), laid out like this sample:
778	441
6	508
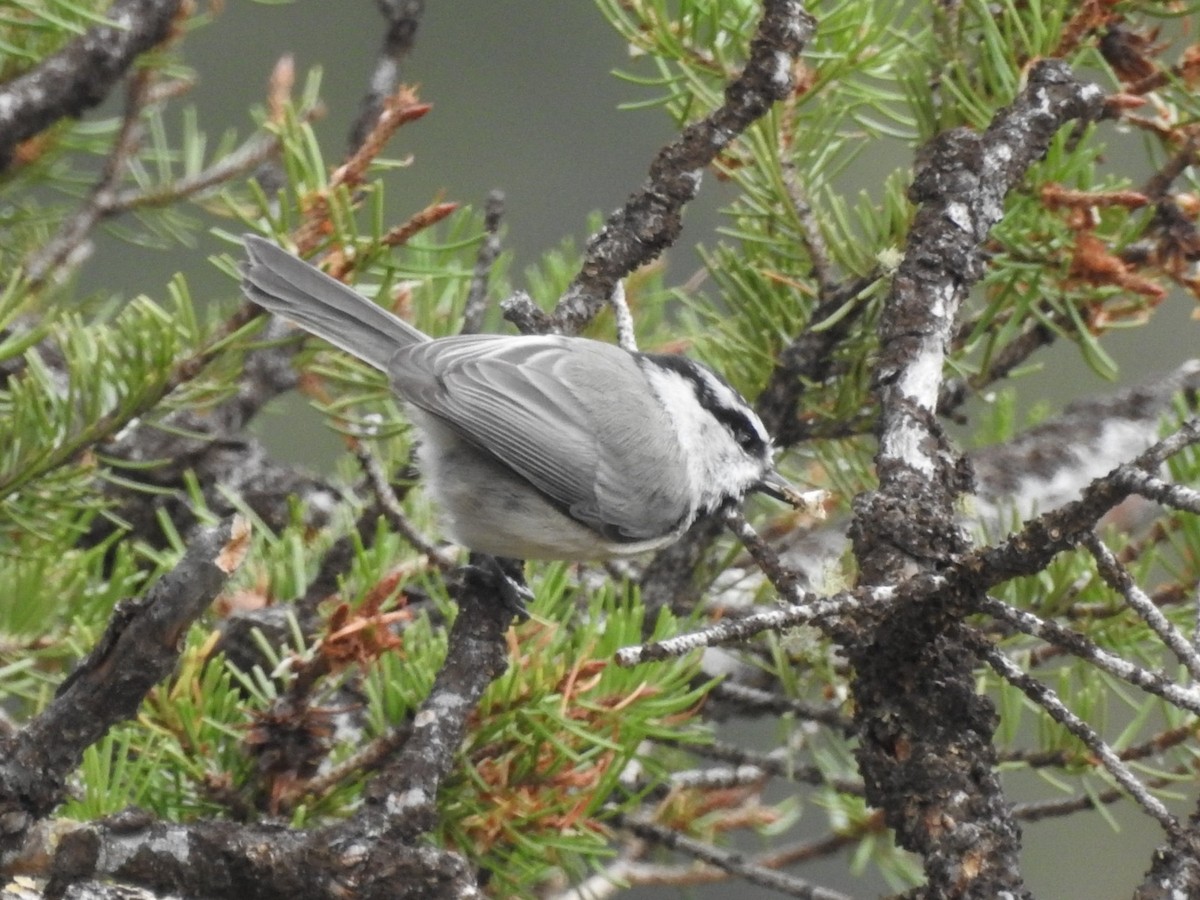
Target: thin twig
390	504
1043	696
78	77
1082	648
733	631
1119	579
1153	746
106	202
732	862
71	234
749	699
475	306
1153	488
651	219
819	257
778	763
371	757
403	18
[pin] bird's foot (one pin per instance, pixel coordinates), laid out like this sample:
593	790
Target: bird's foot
504	577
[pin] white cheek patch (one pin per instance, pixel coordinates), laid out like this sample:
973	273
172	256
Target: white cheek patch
716	466
730	399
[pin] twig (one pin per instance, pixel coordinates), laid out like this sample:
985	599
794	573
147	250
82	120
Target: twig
73	231
475	306
401	234
814	241
731	631
398	109
402	17
1023	553
1118	578
1153	746
730	861
766	558
651	218
1048	809
1164	492
717	778
1041	539
139	648
394	511
807	360
80	75
955	391
778	763
371	757
253	152
628	870
806	851
106	201
1044	697
1082	648
750	699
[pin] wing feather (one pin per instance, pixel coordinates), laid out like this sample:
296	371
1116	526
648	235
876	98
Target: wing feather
573	416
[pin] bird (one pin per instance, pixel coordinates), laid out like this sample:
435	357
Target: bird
545	447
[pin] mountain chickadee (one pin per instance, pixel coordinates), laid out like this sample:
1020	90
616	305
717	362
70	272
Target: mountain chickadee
546	447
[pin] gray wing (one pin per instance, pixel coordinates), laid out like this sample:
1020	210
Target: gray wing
573	416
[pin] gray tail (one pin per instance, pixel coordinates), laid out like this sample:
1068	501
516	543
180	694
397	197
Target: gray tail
289	287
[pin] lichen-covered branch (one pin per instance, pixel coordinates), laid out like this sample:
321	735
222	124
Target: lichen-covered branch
651	218
923	728
80	75
139	649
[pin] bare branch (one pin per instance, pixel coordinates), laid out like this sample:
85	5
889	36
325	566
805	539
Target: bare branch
1119	579
1044	697
476	303
734	630
1082	648
80	75
139	649
651	219
730	861
403	18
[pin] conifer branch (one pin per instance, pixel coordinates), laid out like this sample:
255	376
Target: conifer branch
139	649
80	75
651	218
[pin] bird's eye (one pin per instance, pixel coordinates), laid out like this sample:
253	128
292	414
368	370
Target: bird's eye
747	441
745	434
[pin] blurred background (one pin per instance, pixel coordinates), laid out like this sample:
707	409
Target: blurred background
524	100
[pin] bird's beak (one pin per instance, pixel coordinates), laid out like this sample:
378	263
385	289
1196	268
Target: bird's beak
773	485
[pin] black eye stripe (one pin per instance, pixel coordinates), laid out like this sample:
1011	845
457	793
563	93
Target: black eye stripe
742	429
740	425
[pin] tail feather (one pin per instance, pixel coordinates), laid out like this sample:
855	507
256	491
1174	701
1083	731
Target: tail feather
289	287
